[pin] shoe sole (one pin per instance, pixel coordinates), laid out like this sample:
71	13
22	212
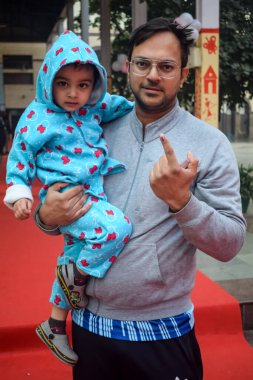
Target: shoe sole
63	358
64	287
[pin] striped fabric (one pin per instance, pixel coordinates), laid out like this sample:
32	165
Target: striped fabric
157	329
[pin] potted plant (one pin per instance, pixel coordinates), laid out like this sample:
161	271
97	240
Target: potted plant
246	185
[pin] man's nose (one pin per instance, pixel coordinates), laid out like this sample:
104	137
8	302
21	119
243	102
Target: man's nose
153	73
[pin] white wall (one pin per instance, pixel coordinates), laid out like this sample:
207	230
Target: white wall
19	96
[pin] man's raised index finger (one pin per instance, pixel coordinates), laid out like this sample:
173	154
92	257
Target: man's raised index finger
168	150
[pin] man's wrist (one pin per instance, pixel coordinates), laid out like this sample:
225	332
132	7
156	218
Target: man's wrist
176	207
52	230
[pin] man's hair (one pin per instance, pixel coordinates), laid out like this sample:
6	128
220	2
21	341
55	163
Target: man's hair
161	24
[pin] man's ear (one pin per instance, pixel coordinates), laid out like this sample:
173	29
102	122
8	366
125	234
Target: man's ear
128	69
128	66
184	75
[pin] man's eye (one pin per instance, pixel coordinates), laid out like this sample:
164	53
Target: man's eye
142	64
166	67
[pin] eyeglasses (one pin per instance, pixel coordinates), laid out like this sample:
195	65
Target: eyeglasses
166	69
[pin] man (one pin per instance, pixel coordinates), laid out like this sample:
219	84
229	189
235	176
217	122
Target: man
139	321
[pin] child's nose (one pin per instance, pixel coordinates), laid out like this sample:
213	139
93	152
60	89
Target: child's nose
72	92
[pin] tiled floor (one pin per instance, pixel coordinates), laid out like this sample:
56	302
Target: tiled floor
244	152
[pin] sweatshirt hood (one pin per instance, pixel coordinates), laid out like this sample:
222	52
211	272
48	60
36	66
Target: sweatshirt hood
68	48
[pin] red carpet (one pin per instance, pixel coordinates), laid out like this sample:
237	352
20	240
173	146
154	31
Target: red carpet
28	258
226	353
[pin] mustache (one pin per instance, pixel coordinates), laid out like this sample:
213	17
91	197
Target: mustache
150	86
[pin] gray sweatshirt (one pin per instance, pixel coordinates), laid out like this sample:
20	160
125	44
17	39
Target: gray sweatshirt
154	275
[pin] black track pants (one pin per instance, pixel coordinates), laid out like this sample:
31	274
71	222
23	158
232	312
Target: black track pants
103	358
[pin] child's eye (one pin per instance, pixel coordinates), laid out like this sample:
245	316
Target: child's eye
62	83
83	85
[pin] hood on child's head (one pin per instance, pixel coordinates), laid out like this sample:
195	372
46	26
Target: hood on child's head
68	48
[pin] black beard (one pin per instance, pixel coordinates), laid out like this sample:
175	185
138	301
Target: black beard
162	108
147	108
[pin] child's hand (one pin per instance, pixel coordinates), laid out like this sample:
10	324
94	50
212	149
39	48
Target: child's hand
22	208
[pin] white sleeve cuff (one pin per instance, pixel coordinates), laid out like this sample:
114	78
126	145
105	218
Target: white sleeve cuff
16	192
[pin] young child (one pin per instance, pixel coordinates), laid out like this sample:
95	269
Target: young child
59	139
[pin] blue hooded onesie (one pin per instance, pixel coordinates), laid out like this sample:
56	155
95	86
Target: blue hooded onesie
60	146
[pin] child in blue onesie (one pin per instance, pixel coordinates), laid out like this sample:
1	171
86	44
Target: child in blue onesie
59	139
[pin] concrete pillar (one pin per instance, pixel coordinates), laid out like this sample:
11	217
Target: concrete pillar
139	13
105	32
207	76
2	97
70	15
85	20
60	27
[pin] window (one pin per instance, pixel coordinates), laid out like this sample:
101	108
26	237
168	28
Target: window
22	62
18	78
